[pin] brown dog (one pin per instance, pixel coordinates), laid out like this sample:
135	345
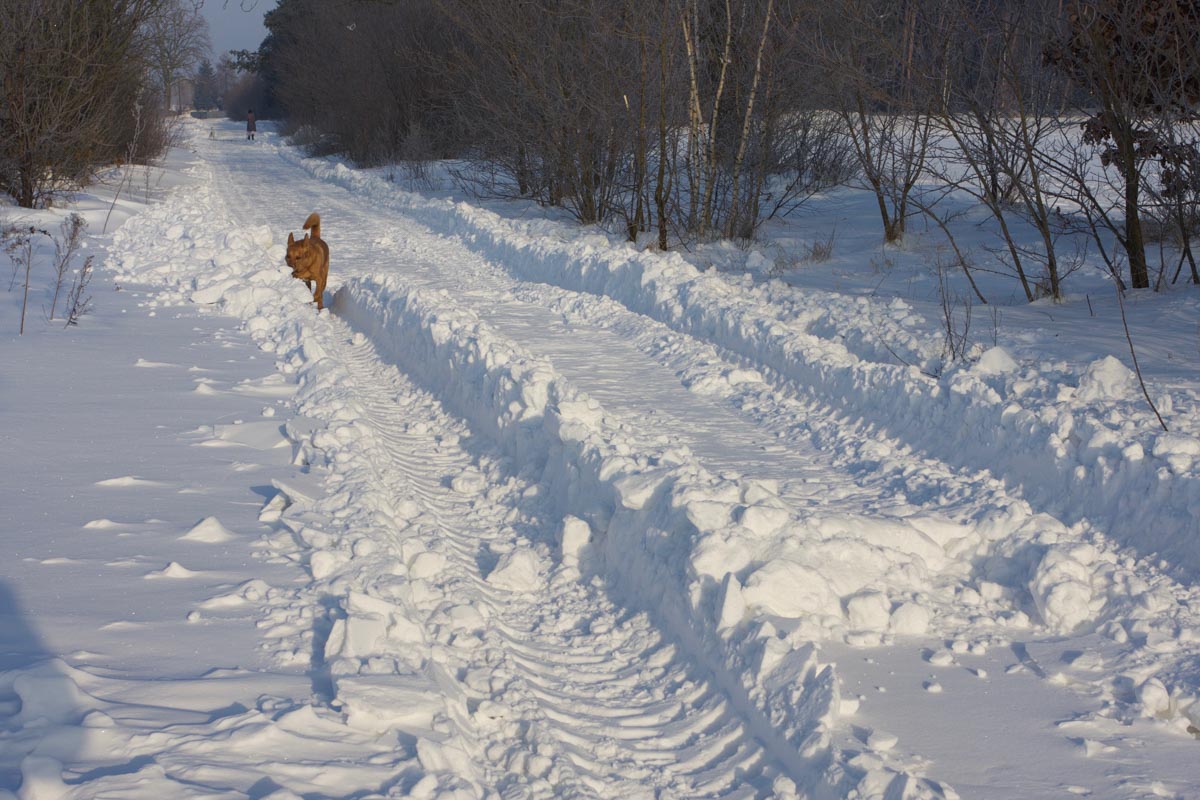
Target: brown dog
309	258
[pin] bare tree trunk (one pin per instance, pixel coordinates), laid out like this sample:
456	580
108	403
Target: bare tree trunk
710	163
1135	243
741	152
661	191
695	114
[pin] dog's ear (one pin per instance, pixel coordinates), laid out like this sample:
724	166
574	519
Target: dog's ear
291	240
306	237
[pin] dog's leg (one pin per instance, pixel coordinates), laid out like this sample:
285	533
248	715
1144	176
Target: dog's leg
308	285
319	294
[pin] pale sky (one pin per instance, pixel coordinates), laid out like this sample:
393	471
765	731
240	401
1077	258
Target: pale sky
235	24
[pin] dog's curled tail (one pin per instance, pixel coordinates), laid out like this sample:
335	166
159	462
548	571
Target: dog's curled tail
314	222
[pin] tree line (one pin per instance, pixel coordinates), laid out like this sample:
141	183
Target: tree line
686	120
678	120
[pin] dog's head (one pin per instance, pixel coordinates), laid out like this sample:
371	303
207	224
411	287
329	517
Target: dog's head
297	254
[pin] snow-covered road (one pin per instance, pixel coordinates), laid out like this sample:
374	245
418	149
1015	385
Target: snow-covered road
565	538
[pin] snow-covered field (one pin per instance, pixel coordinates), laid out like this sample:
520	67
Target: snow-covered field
528	512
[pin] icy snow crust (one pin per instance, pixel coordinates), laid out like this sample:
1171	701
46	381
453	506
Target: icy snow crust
526	594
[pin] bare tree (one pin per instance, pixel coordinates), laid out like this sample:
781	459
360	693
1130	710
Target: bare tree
873	54
1135	61
176	41
226	76
999	112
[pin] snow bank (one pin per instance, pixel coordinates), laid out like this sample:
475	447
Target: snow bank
1077	440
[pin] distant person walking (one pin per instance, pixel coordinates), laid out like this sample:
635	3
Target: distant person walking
251	125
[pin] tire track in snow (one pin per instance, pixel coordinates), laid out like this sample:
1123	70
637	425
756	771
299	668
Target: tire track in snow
604	705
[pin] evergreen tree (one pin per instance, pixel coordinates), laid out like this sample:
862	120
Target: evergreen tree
206	95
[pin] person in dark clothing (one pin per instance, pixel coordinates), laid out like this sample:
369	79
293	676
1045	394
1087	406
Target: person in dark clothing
251	125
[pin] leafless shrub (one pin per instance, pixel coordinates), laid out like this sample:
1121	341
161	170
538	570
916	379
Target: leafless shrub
820	250
312	141
79	301
992	125
19	248
944	220
883	263
956	319
416	153
873	56
7	232
65	246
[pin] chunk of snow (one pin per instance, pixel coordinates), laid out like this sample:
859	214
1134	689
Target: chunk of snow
573	538
764	519
516	571
128	482
733	604
636	490
882	741
1154	699
1061	588
382	703
910	619
426	564
789	589
869	611
1176	444
757	262
324	563
469	482
995	361
1106	379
